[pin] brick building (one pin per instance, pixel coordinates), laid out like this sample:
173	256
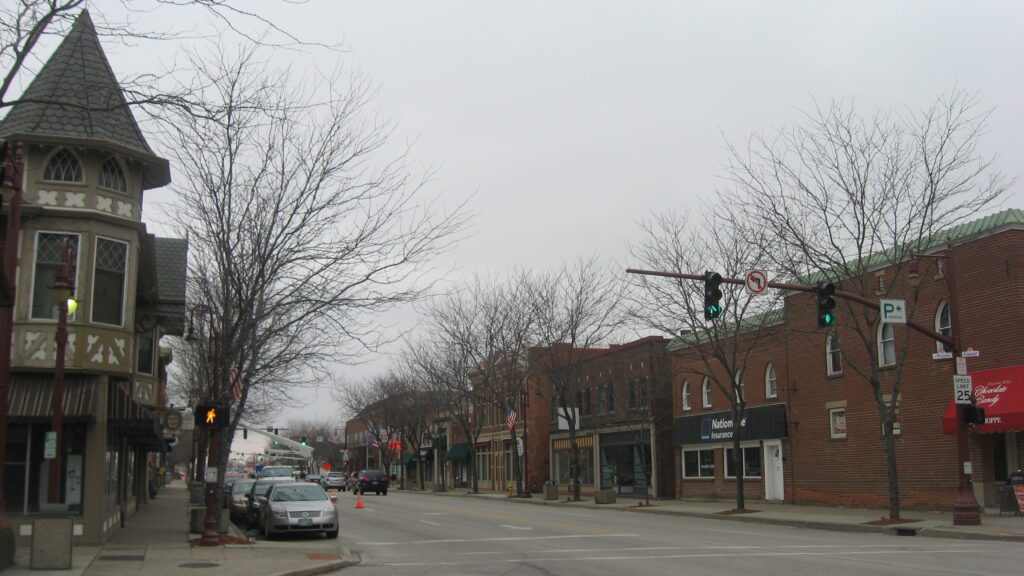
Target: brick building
821	434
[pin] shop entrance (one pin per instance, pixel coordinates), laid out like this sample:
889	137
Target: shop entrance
626	462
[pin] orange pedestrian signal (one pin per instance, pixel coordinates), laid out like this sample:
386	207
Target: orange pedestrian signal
211	415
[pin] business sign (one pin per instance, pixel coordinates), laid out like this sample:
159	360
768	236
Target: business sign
758	423
172	421
893	311
50	446
211	474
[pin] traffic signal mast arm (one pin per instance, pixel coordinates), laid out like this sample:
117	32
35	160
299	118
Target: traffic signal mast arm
801	288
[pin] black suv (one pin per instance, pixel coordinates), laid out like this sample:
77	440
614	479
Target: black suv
375	481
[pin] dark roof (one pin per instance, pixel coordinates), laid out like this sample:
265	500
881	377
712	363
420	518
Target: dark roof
75	95
171	256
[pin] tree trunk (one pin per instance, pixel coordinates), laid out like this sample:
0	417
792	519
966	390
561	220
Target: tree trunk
737	458
574	448
889	444
472	469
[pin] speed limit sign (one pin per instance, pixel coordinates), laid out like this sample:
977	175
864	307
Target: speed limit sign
962	388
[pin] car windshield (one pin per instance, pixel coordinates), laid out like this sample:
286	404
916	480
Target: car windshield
242	486
261	488
275	472
304	493
374	475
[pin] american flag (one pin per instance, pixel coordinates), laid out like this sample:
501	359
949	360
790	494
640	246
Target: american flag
510	416
236	383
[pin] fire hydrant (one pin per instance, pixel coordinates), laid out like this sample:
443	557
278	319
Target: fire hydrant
511	489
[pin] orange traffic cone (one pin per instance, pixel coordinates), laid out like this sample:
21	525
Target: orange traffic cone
359	502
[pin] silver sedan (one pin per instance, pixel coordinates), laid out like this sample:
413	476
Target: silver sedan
291	507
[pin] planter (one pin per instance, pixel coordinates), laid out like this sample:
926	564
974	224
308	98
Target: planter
551	491
604	497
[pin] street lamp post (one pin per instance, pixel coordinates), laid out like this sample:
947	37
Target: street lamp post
63	291
13	167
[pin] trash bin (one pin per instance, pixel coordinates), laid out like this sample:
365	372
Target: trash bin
551	490
52	543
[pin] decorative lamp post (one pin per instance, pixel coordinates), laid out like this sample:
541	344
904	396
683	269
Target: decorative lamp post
63	292
11	172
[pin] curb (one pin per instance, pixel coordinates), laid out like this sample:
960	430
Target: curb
812	524
321	568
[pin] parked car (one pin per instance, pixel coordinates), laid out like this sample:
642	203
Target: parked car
298	507
375	481
237	503
276	472
229	480
335	480
314	479
259	488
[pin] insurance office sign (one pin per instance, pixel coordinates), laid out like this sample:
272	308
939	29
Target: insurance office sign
758	423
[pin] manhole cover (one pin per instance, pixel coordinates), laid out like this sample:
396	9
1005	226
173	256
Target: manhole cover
199	565
316	556
127	557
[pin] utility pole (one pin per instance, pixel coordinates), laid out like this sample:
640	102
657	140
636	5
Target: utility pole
12	168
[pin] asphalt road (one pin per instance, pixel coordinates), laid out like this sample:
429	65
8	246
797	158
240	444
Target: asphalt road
422	534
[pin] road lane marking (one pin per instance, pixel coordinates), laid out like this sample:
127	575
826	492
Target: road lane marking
667	557
499	539
434	513
428	522
511	527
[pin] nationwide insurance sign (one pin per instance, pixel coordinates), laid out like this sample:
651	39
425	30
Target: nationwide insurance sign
758	423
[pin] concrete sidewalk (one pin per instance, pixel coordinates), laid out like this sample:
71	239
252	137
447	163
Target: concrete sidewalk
925	523
156	542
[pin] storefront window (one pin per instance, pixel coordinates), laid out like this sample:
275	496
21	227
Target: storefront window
699	463
483	464
750	460
563	466
625	466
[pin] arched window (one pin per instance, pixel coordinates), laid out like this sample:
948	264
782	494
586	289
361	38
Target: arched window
686	395
886	345
771	389
833	354
705	392
112	176
943	324
63	167
741	394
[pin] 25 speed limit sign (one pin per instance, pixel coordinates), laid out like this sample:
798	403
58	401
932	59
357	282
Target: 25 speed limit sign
962	389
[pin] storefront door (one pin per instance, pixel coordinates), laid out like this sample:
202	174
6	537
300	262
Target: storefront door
774	486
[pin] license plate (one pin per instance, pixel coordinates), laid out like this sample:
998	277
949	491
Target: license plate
305	521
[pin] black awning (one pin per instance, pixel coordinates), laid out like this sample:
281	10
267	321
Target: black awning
759	423
31	397
459	451
409	460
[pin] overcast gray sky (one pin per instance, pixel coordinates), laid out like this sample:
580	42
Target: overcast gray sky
572	120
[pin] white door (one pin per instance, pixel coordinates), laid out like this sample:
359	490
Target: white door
774	485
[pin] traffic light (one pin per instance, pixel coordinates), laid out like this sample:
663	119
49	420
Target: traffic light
277	443
304	441
974	415
211	416
826	302
712	295
245	433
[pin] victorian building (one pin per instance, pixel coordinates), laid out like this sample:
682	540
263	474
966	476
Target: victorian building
86	168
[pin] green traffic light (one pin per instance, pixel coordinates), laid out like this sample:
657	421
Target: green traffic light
829	318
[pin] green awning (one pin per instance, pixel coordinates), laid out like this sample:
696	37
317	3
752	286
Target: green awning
459	452
409	460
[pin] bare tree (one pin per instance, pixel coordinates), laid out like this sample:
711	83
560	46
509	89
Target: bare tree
843	194
414	407
296	239
576	309
719	349
377	404
325	436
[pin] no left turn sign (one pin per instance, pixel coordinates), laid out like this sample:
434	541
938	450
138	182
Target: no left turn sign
756	281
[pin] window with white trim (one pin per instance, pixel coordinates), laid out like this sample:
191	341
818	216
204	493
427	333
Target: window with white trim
699	463
837	423
63	167
771	389
943	325
112	176
108	285
49	247
705	392
834	354
886	345
750	460
686	395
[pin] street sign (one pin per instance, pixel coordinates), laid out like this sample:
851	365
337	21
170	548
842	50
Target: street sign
942	355
519	446
962	389
756	281
893	311
50	446
961	365
211	474
970	353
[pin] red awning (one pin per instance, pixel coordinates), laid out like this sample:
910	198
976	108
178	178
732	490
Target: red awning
1001	393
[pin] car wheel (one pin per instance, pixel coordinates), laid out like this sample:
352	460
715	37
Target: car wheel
376	492
384	491
332	534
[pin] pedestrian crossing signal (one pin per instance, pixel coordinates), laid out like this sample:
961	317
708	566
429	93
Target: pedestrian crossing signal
211	416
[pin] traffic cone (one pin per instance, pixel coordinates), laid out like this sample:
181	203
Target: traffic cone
359	502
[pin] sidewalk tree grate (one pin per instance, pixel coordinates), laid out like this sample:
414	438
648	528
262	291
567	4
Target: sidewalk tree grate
199	565
321	556
125	557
